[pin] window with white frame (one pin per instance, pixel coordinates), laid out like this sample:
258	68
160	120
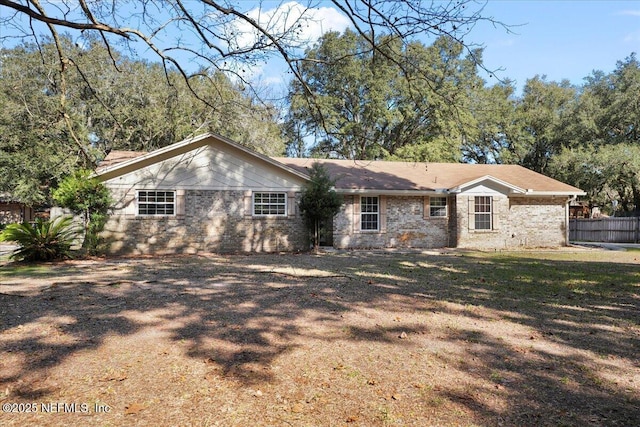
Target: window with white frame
269	204
438	206
156	203
482	212
369	213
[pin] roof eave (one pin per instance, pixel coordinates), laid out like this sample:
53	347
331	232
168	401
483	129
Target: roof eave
513	189
533	193
161	152
150	155
380	191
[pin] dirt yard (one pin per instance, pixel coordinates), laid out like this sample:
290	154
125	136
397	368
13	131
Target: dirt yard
356	338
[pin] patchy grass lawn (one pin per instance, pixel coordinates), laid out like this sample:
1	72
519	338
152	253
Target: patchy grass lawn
358	338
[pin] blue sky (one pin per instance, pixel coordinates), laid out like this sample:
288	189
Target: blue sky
559	39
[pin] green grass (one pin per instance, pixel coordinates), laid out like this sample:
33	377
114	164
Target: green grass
527	280
537	273
14	269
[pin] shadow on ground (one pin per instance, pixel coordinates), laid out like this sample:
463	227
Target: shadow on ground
556	341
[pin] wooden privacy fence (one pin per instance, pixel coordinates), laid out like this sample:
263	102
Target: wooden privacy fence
610	230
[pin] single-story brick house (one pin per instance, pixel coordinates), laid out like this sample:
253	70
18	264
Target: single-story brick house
210	194
12	211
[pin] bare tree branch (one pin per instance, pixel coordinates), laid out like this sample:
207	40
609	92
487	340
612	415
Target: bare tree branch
208	25
63	90
199	37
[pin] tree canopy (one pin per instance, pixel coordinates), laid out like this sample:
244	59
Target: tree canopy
87	90
357	103
601	153
104	108
363	106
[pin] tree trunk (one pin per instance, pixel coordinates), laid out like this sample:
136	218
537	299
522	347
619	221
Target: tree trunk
316	237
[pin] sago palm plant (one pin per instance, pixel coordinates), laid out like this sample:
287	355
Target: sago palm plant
42	241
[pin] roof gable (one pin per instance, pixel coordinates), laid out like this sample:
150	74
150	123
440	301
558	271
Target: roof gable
490	180
205	161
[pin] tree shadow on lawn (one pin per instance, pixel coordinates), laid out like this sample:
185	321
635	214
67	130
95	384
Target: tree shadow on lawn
222	313
581	321
580	328
575	320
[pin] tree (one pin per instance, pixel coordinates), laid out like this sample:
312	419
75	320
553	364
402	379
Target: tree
107	109
191	45
129	107
35	144
88	197
609	174
545	110
357	103
489	137
608	111
197	38
602	153
319	202
621	119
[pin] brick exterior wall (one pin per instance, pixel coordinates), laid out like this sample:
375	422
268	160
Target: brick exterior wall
11	213
539	222
404	226
212	221
519	222
220	221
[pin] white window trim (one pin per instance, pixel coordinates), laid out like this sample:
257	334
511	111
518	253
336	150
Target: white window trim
431	206
261	215
489	214
146	215
377	214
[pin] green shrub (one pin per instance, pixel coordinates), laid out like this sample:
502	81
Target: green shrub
319	202
88	197
42	241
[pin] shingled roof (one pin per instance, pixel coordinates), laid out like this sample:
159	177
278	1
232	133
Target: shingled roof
361	176
354	175
118	156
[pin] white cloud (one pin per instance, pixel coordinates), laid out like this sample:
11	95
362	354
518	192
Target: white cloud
509	42
297	27
327	19
301	26
629	13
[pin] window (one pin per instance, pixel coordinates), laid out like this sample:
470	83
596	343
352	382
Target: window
437	206
369	213
156	203
482	209
269	204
